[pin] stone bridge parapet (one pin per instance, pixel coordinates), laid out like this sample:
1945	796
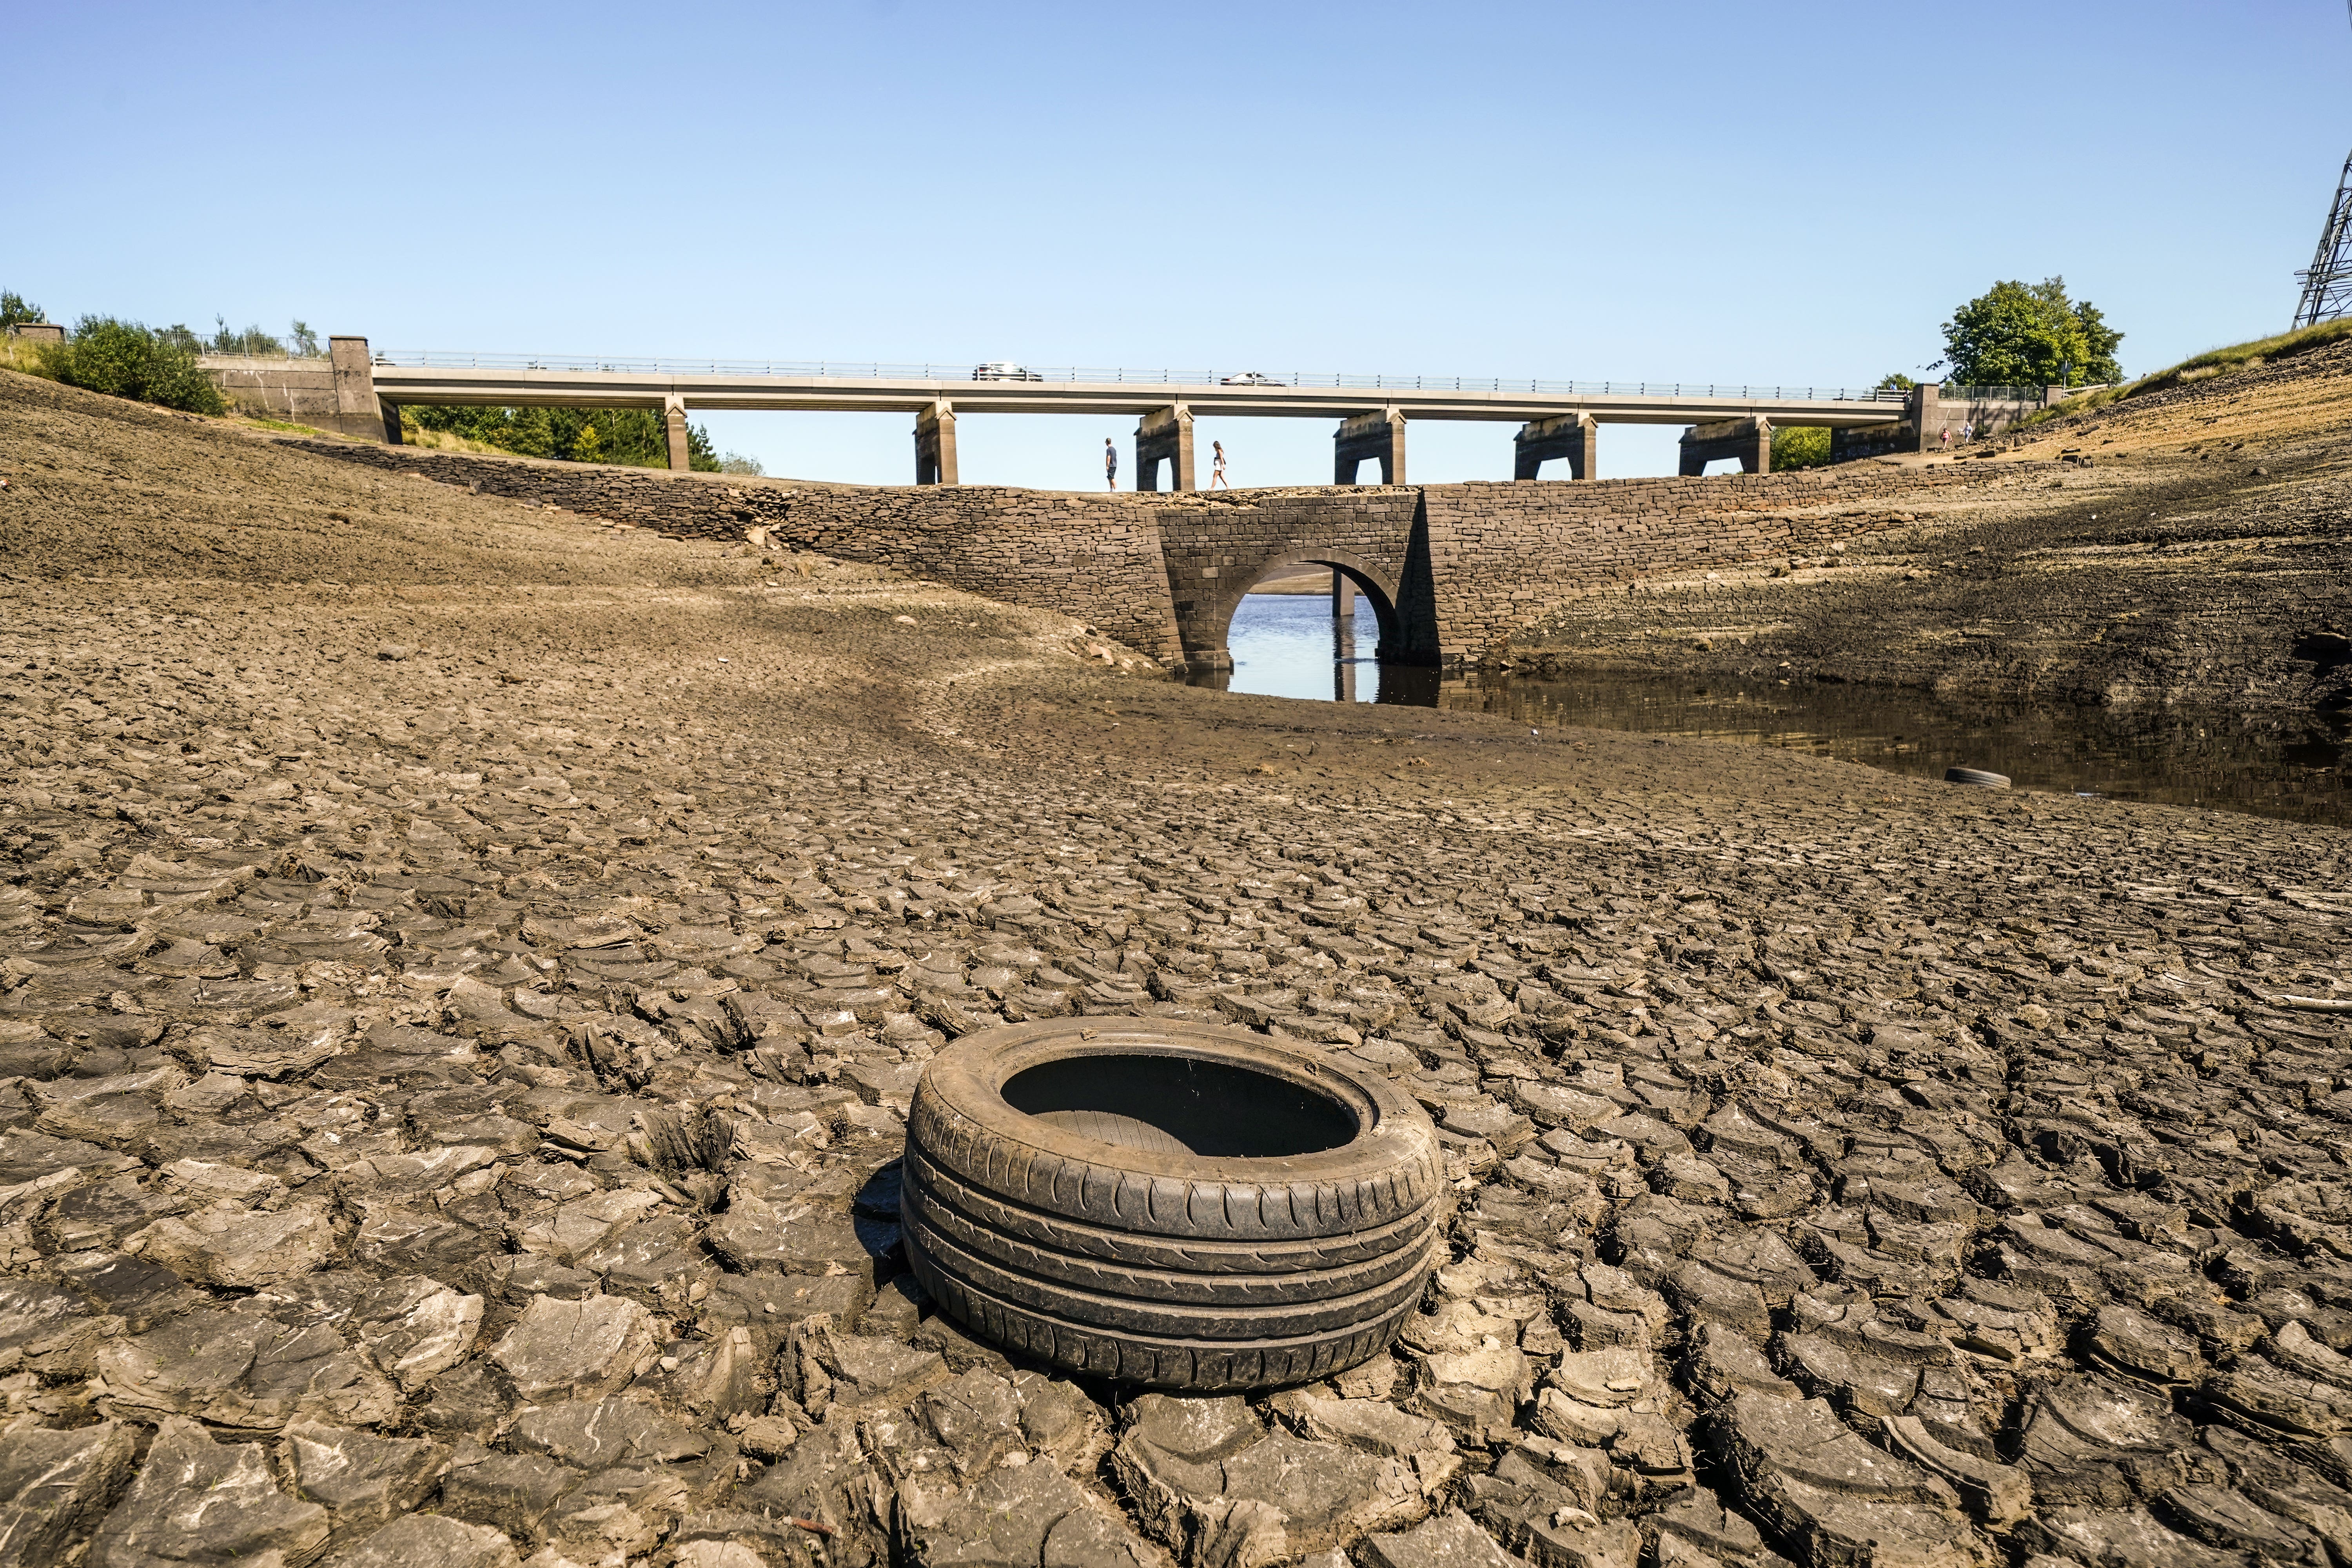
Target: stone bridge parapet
1451	570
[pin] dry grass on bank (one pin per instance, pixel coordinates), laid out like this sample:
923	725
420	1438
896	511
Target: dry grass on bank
21	355
415	434
2199	368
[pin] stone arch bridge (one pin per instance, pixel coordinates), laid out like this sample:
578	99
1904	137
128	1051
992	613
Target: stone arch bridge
1451	570
1374	541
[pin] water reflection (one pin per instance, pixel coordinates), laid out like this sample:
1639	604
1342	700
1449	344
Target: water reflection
2289	766
2294	766
1291	645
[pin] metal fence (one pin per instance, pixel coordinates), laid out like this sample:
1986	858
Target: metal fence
876	370
2032	394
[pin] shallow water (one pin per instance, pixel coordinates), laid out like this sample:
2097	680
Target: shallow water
1290	645
2291	766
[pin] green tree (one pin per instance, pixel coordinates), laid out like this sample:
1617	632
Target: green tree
1800	446
124	359
1894	381
528	431
303	341
2031	334
253	341
637	437
16	310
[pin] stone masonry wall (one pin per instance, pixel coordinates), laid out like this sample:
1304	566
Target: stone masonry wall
1462	565
1504	554
1094	558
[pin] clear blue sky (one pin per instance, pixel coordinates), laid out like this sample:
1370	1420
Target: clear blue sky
1692	192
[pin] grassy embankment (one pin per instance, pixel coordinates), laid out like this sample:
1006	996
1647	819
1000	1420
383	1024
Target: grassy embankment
2200	367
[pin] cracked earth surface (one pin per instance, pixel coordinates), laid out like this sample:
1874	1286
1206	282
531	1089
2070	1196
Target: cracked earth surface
466	969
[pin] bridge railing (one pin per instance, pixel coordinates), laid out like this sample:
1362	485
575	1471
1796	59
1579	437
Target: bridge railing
1082	375
1992	395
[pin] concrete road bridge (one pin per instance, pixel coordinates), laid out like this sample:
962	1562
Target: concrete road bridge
1557	419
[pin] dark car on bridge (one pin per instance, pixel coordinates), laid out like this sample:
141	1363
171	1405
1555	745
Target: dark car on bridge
1004	371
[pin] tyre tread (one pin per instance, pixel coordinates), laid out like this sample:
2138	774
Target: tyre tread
1123	1264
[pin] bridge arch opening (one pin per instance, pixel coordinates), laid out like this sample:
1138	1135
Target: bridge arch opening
1361	574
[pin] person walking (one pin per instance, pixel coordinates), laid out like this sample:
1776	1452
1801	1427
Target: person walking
1217	464
1110	462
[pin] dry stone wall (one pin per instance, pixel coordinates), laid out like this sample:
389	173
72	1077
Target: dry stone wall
1504	554
1096	558
1461	566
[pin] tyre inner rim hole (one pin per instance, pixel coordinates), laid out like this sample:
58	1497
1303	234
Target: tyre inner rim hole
1181	1105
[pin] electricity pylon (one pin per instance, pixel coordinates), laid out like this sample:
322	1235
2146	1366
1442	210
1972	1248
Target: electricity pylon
2327	281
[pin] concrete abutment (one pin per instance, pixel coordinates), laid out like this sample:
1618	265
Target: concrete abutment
1575	436
334	392
1378	437
935	444
1164	436
1748	440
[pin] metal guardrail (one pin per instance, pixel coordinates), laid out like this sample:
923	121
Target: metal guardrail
2032	394
875	369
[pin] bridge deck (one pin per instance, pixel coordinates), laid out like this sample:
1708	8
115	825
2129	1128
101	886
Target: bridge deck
615	388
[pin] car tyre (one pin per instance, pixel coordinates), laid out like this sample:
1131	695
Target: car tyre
1170	1203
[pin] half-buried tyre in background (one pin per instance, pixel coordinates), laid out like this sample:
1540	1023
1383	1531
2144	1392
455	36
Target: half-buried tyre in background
1170	1203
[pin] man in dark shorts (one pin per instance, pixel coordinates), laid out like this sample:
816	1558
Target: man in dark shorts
1110	463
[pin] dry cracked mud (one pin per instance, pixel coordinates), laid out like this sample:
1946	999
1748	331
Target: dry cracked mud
465	970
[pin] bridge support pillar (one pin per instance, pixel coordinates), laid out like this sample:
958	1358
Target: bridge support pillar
1572	436
681	453
1164	436
1343	595
390	414
1369	437
1750	440
935	448
1851	442
358	411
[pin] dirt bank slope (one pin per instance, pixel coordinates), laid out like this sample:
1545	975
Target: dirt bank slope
2203	557
463	1088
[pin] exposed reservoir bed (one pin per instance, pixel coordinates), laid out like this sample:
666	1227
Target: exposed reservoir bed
2282	765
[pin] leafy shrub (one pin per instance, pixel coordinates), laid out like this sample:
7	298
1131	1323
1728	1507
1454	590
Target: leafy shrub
16	310
636	437
252	341
1800	446
125	359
